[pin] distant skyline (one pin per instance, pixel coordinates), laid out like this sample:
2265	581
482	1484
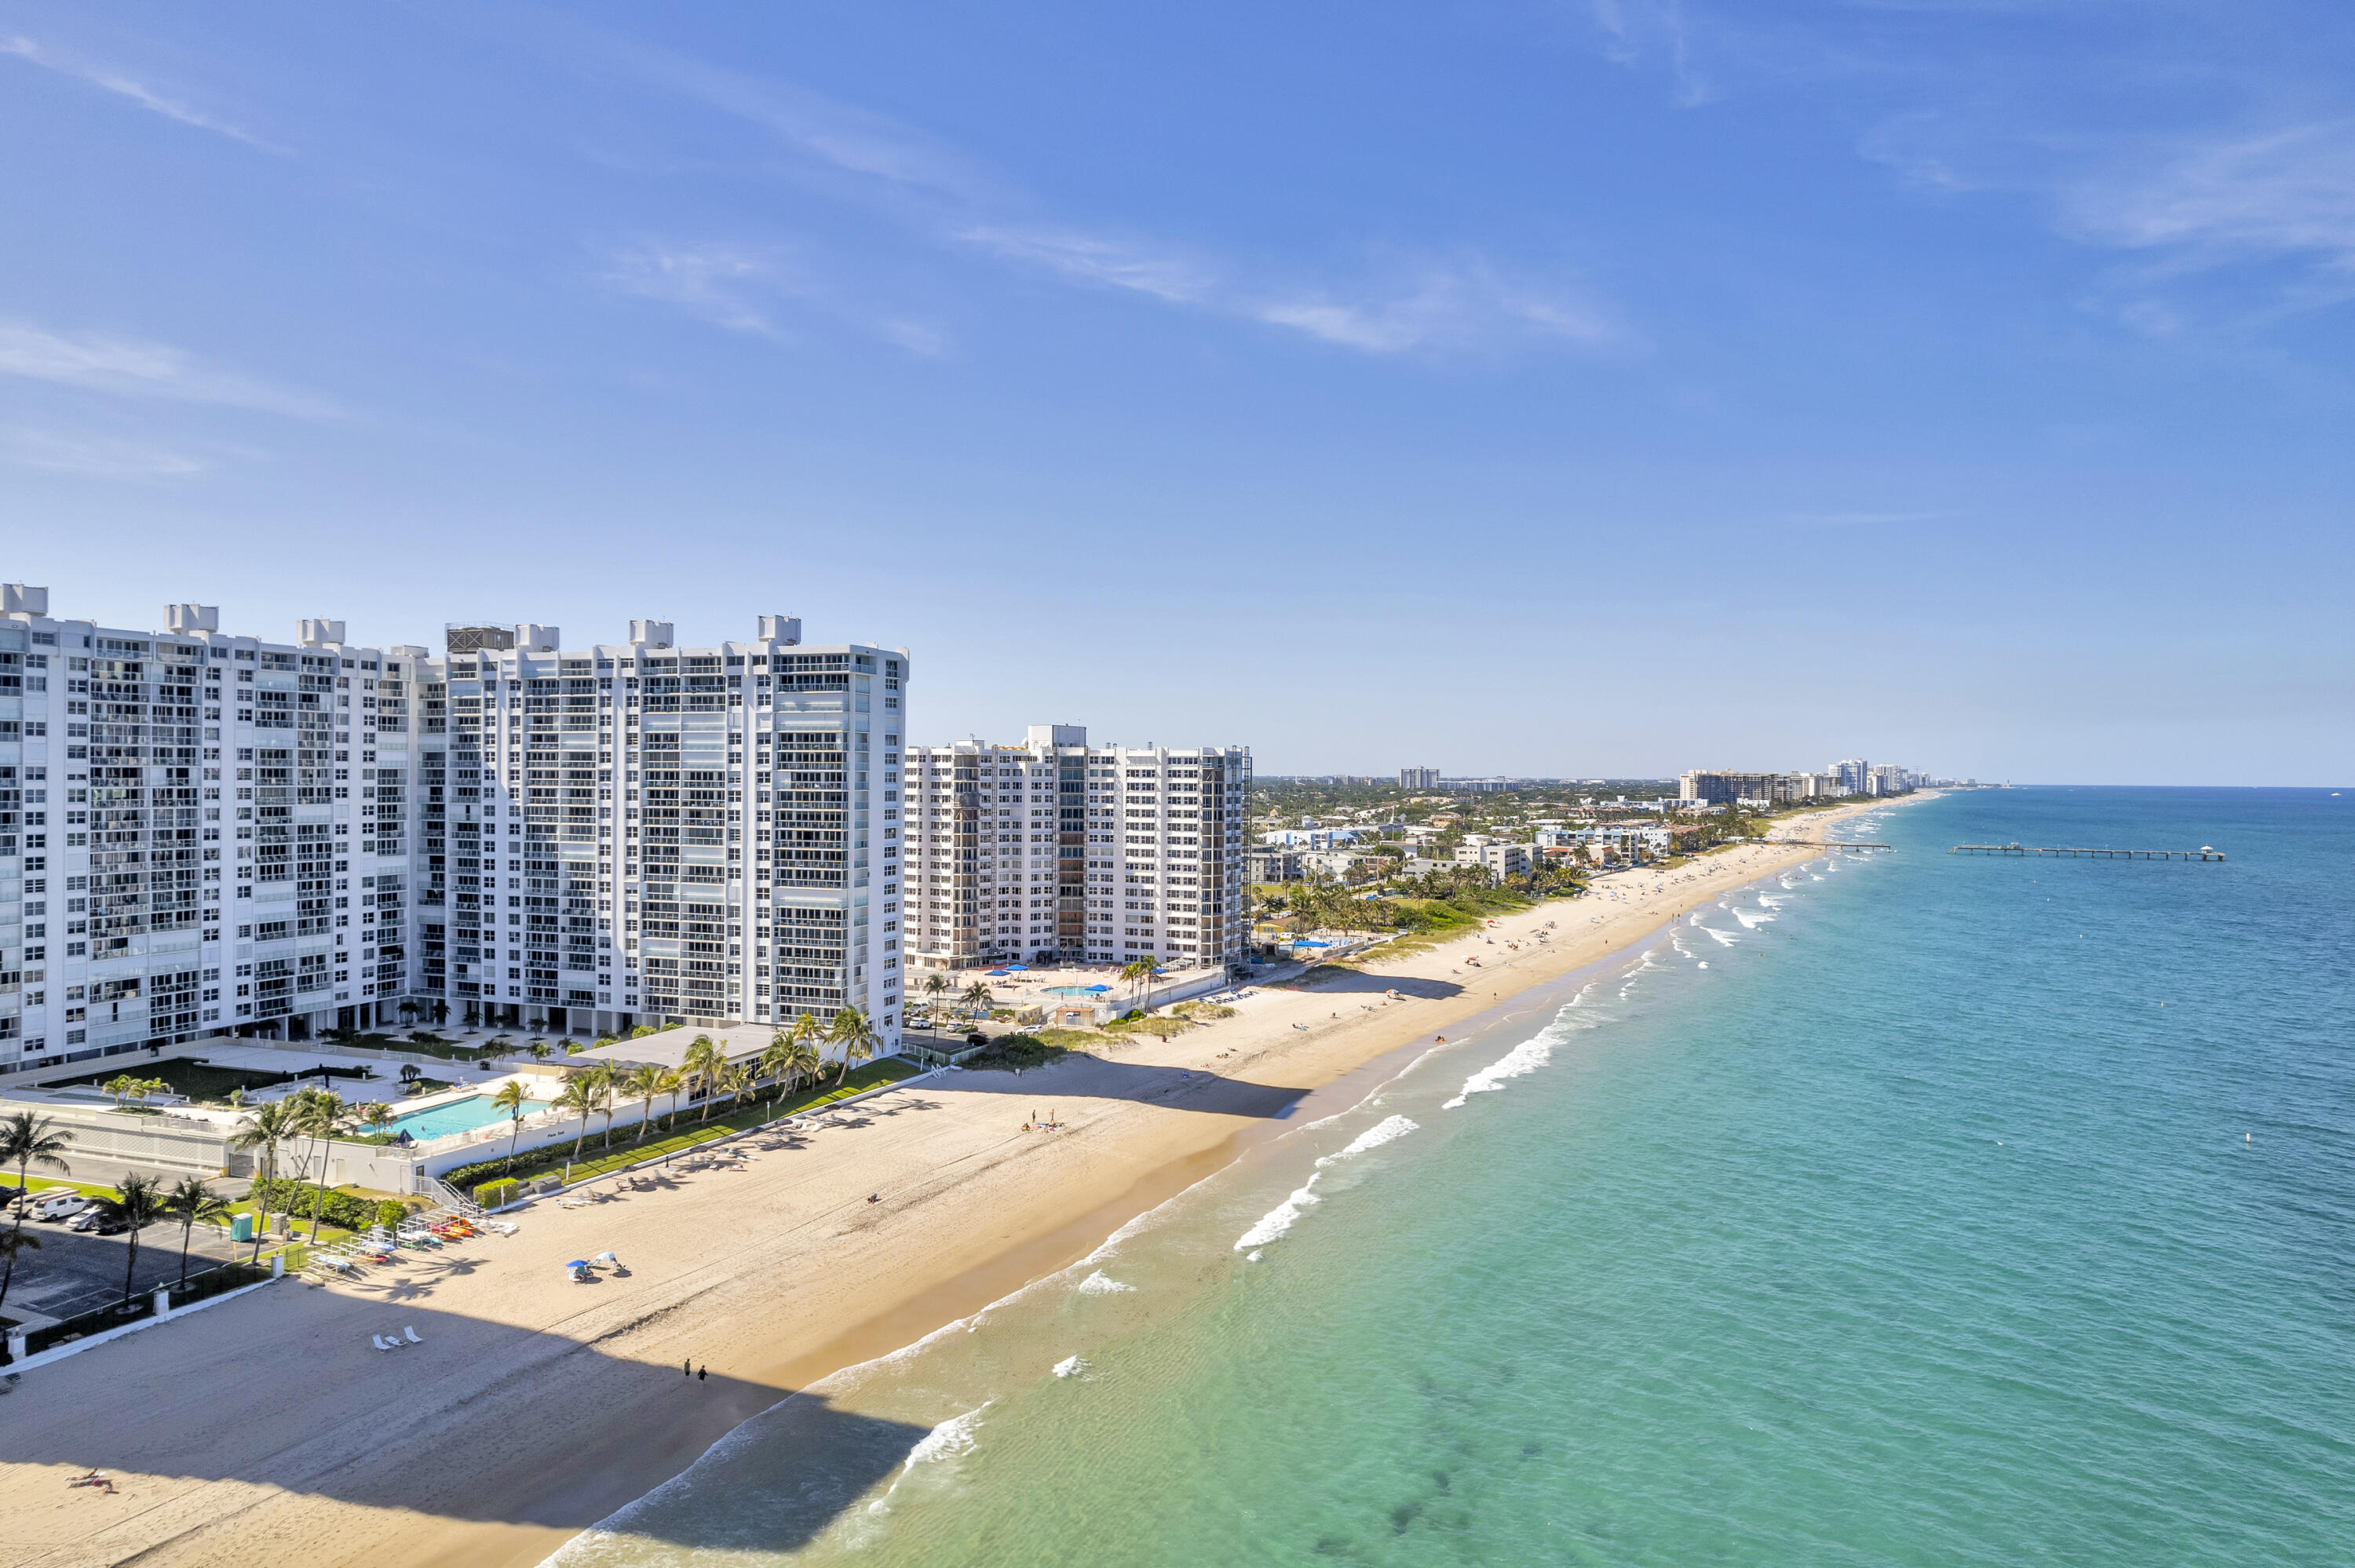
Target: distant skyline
1567	389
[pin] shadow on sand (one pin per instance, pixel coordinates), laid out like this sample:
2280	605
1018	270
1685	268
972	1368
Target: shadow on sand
375	1430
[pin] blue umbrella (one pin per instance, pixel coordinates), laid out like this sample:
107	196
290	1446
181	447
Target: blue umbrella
1024	968
995	972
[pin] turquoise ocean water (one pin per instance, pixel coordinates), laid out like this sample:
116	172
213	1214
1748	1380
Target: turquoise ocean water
1906	1209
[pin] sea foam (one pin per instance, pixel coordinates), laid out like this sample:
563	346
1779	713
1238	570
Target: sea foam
1523	1059
1389	1129
1102	1284
950	1439
1273	1224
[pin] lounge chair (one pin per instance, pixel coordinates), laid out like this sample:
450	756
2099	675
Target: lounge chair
377	1340
412	1335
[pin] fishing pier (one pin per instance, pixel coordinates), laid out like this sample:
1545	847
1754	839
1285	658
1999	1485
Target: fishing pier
2202	852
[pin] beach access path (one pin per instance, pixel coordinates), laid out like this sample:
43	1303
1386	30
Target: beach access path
271	1431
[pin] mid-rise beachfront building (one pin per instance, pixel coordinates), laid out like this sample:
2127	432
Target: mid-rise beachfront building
1056	852
1723	786
203	834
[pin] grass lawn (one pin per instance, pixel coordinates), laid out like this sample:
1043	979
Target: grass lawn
673	1135
193	1079
327	1233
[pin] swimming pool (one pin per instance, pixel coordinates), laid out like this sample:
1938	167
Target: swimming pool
455	1116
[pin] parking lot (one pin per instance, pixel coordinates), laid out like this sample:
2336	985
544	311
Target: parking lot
75	1274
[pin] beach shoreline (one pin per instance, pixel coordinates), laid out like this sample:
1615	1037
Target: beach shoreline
533	1411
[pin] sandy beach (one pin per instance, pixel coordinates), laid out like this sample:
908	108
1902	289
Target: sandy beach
269	1429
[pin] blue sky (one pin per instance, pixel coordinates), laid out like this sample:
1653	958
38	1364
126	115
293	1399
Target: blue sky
1587	388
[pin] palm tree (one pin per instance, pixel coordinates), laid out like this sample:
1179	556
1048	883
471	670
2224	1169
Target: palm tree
13	1241
807	1062
322	1109
736	1080
702	1063
269	1126
643	1085
193	1203
1138	973
512	1101
936	985
141	1203
577	1095
777	1057
601	1076
376	1116
26	1140
856	1036
977	996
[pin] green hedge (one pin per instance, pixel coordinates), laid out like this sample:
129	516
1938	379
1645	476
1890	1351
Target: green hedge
287	1195
491	1194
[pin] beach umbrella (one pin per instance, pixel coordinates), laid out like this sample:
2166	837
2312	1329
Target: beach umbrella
1096	988
578	1262
996	972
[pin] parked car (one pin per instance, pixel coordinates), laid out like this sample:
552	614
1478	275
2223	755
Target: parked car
102	1219
57	1208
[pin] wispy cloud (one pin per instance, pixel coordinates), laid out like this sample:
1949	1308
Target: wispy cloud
130	368
147	98
840	137
1635	31
100	457
916	337
715	282
2281	191
1095	258
739	287
1458	304
952	199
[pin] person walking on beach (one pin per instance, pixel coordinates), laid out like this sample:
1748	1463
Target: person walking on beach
686	1368
704	1373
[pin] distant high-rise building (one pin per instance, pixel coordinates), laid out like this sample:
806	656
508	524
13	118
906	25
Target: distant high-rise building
1419	777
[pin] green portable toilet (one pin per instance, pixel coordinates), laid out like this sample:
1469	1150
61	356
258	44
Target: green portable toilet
240	1227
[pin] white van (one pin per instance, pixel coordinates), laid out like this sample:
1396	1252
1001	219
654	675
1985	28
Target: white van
57	1208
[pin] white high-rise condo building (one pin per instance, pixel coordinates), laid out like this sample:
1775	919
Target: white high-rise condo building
203	834
1053	851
